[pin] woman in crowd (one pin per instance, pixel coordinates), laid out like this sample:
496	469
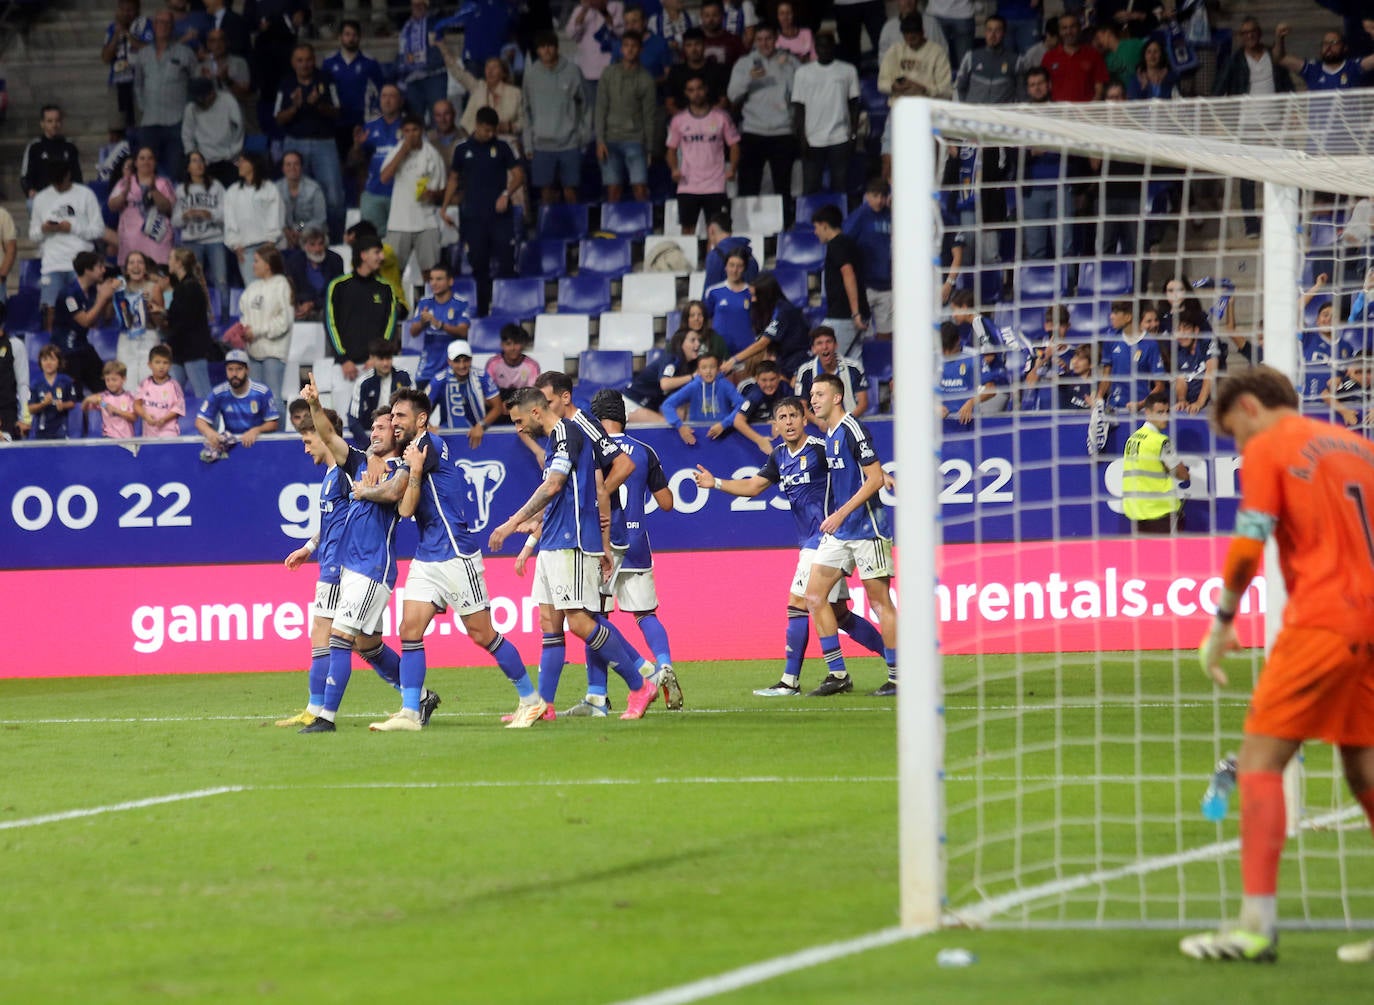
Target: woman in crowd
199	215
776	322
267	311
252	212
696	318
728	304
792	37
1154	78
138	311
646	391
144	201
188	322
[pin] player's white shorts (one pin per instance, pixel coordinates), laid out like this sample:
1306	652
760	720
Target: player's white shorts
633	590
460	583
871	556
362	603
326	599
803	576
568	579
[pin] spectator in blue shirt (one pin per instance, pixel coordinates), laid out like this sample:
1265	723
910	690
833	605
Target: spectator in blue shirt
420	61
358	80
708	400
760	397
438	319
727	303
374	143
244	408
51	397
870	227
464	398
1335	71
311	268
721	242
654	54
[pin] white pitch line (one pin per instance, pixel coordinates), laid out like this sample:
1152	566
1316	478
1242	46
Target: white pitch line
592	782
757	973
135	804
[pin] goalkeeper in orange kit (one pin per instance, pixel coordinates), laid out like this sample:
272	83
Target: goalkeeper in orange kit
1310	485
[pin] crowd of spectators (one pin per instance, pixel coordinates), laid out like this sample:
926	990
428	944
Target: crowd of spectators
243	143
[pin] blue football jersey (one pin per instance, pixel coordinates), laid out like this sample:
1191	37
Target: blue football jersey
336	496
441	515
571	519
848	449
801	477
1321	361
461	404
604	449
1134	369
240	413
1191	363
628	505
369	546
383	137
434	359
729	314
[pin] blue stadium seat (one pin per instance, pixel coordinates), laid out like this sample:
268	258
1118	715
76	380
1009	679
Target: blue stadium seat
1088	320
652	357
101	190
877	357
1030	322
465	289
1108	278
604	256
543	259
873	99
563	221
24	314
671	322
808	204
985	283
187	423
1039	283
235	295
794	284
484	334
30	273
216	369
584	294
800	250
77	420
814	315
1321	234
1309	313
104	341
628	219
519	298
598	368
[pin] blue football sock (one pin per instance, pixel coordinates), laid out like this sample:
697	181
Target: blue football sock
340	670
412	673
655	636
319	670
387	662
618	653
890	656
597	672
834	659
862	631
551	660
798	633
508	659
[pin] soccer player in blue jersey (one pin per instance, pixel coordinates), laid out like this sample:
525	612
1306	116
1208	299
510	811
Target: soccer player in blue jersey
798	468
366	557
447	569
632	571
854	534
245	407
573	546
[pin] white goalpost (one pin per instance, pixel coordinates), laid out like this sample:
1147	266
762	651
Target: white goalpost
1055	733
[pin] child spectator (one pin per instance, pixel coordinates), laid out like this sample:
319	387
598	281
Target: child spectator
51	397
374	386
160	401
707	399
115	404
513	369
267	314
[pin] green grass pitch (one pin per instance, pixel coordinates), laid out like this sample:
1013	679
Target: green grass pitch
579	861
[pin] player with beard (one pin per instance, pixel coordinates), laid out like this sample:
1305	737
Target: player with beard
447	569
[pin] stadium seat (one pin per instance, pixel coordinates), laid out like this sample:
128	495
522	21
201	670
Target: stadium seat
563	221
465	289
814	315
654	355
648	292
1029	321
985	283
794	285
671	322
626	330
598	368
542	259
186	425
1106	278
235	295
604	256
672	224
877	358
759	213
306	346
1087	320
800	250
1039	283
696	284
484	334
24	313
808	204
584	294
104	341
688	245
30	273
627	219
518	298
1321	234
560	337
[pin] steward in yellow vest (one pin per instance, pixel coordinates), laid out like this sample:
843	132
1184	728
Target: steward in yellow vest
1149	496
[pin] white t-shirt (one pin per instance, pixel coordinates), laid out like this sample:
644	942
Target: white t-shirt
77	206
423	167
1261	74
826	91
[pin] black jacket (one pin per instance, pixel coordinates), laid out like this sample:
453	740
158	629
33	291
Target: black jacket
359	309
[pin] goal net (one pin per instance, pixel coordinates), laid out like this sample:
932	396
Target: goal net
1060	263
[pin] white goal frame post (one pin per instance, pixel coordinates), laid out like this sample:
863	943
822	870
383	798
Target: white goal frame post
1291	142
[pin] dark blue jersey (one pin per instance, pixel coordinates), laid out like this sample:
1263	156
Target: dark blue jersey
382	138
757	406
1321	359
848	450
604	449
571	519
1135	367
729	314
434	358
49	423
67	334
802	477
336	496
1191	363
628	505
369	546
442	514
872	231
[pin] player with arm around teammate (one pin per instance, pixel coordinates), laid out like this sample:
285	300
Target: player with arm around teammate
798	468
854	534
447	570
1310	485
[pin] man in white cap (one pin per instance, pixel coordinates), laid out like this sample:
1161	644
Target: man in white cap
237	411
464	399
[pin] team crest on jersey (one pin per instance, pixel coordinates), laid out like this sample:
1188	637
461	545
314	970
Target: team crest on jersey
484	478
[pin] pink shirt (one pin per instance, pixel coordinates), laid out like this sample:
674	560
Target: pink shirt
147	231
112	425
803	46
522	374
160	400
701	145
583	27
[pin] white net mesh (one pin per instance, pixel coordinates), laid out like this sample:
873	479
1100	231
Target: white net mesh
1081	733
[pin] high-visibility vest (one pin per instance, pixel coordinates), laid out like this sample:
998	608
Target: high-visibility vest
1147	486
